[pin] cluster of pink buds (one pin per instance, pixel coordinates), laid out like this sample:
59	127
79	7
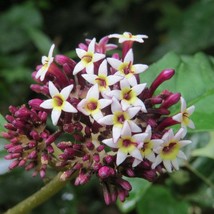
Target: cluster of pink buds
114	125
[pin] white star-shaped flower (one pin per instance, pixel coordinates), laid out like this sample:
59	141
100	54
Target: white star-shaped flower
92	105
102	79
169	150
118	119
88	58
148	146
46	62
126	69
183	116
126	36
128	95
58	102
127	144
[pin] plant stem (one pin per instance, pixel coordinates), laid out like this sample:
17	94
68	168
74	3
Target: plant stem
54	186
201	176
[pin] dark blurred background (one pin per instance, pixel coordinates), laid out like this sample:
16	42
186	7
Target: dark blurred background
27	30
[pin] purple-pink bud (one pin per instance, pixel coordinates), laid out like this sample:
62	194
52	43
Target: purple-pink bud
82	179
14	164
12	156
124	184
30	166
69	128
22	162
35	103
171	100
106	194
62	59
163	76
15	149
9	118
105	172
64	144
96	158
90	145
32	155
53	137
109	159
100	148
35	135
10	126
23	112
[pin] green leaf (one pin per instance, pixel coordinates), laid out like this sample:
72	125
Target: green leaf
194	79
207	151
183	25
139	187
2	123
158	199
13	25
40	40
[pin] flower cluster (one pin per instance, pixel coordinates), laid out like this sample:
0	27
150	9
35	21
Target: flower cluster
117	126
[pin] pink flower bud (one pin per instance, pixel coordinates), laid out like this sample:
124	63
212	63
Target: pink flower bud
14	164
82	179
106	194
163	76
105	172
171	100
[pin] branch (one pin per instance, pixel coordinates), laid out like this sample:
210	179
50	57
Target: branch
39	197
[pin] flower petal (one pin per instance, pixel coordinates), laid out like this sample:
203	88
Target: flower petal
116	133
129	56
109	142
112	79
104	103
132	111
47	104
167	165
139	68
134	127
107	120
55	114
90	78
90	68
52	89
115	105
78	67
69	108
139	88
93	92
66	91
136	154
126	131
115	63
91	46
120	157
80	52
103	68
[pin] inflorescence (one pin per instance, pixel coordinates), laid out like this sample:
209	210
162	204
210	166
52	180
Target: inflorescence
116	125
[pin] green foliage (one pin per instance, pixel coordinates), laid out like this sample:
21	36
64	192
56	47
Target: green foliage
159	199
194	79
188	30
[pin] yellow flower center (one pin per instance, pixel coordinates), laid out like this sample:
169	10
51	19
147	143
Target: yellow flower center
185	118
102	82
126	144
86	59
58	101
92	105
170	151
128	94
119	118
126	69
147	148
